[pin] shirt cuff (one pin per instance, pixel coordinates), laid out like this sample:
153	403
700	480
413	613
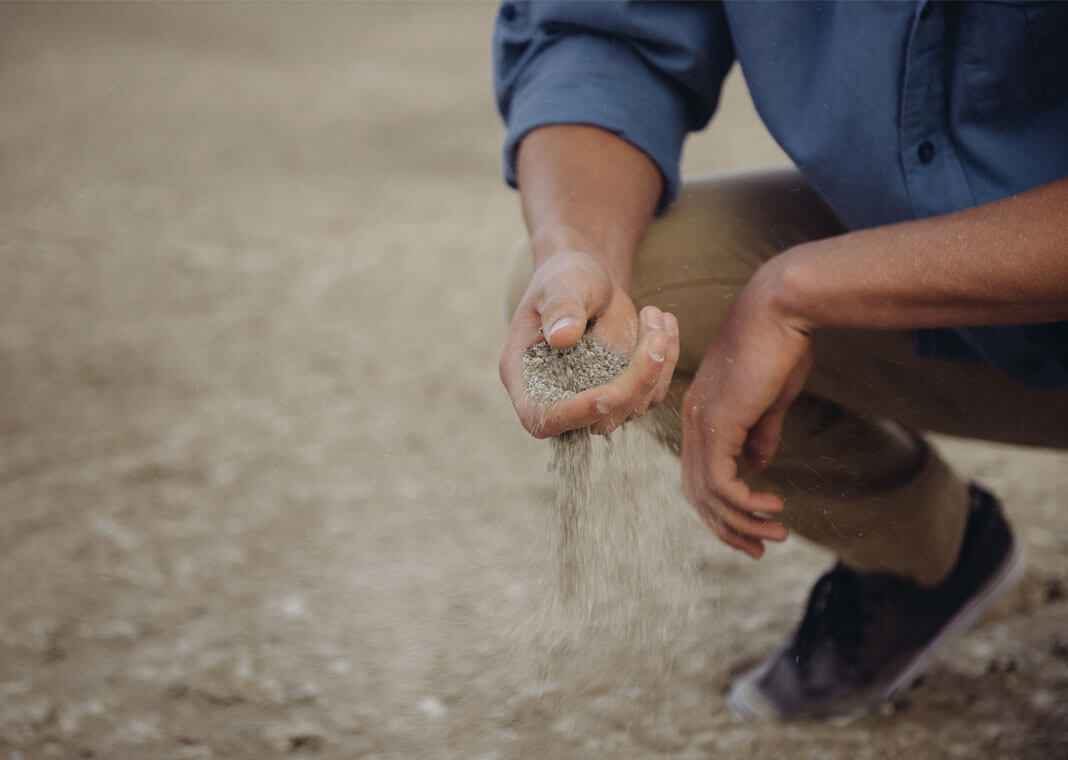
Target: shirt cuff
591	80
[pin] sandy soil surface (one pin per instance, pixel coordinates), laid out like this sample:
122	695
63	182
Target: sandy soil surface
261	493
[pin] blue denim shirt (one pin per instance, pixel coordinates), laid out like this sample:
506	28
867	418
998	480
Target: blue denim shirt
893	111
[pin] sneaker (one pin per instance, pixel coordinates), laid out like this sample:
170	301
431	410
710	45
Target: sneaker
865	636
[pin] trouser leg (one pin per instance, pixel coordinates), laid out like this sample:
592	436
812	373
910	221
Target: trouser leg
854	475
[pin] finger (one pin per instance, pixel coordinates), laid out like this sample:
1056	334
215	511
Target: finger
582	410
522	333
750	526
709	514
763	440
723	480
738	495
563	319
739	508
652	318
752	547
667	369
638	380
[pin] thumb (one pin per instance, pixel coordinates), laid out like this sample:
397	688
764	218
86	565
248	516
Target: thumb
563	321
763	440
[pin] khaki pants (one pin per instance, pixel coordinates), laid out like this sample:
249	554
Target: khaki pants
854	472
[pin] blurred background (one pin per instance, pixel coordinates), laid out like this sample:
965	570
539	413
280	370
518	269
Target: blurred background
260	491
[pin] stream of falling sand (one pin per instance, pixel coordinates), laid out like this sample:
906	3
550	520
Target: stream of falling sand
623	582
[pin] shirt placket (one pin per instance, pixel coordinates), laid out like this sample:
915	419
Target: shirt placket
929	159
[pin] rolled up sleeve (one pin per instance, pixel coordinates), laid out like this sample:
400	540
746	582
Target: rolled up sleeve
649	73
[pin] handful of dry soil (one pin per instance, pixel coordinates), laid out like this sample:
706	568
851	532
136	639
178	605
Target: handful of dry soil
553	374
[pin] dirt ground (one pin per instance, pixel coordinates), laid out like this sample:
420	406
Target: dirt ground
261	493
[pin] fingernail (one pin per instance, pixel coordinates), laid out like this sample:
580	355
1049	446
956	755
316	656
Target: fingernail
561	323
655	319
671	325
658	348
605	404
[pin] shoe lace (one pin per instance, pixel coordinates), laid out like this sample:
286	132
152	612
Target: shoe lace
836	615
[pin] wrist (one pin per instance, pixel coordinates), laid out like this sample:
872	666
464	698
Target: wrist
569	247
784	287
550	241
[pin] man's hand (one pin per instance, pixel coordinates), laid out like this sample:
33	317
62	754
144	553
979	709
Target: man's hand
588	197
569	290
751	373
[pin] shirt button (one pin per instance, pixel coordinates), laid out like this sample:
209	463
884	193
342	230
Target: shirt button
925	152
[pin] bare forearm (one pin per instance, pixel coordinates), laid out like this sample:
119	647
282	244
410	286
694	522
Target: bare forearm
996	264
585	189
